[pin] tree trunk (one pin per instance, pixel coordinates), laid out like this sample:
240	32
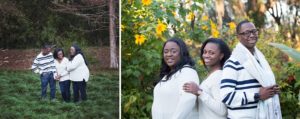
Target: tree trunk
112	36
220	12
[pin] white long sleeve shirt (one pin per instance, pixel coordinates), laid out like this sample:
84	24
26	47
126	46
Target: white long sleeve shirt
78	69
210	101
170	101
61	68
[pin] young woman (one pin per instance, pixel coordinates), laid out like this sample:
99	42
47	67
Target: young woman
79	73
214	53
170	101
62	74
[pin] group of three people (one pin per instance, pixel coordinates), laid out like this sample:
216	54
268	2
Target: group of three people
239	85
56	66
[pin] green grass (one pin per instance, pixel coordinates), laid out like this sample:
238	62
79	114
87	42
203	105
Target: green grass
20	98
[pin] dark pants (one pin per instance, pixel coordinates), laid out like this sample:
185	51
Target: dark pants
79	86
65	90
45	79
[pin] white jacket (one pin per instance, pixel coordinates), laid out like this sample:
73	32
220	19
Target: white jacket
78	69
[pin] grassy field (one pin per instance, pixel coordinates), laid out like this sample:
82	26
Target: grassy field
20	93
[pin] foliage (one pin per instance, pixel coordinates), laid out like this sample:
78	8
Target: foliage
20	93
290	51
28	24
147	24
290	97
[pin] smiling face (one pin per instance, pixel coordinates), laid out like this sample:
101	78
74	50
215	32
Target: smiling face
171	54
248	35
72	51
60	55
212	55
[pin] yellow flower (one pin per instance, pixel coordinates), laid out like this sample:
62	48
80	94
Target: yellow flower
190	16
122	27
139	39
214	31
204	18
231	25
161	27
213	25
146	2
204	28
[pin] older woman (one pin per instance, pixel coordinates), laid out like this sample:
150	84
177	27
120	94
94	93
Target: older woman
170	101
79	73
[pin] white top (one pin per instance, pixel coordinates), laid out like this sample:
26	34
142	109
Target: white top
210	101
61	69
170	101
78	69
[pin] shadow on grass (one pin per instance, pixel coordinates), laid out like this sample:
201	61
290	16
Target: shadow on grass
20	92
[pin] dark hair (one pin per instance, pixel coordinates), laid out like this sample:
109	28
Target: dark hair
223	47
78	51
185	59
238	27
56	52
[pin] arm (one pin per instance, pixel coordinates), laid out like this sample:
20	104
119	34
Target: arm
35	66
187	101
214	102
65	72
78	59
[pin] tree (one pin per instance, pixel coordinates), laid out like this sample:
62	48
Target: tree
101	13
112	36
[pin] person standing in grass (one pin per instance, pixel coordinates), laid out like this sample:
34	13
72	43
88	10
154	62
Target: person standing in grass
79	73
62	74
44	65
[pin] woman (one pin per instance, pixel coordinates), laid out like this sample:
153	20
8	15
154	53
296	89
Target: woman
62	74
79	73
214	53
170	101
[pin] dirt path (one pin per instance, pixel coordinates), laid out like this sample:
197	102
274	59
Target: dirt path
17	59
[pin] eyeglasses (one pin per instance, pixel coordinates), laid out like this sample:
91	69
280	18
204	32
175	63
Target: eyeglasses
248	33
